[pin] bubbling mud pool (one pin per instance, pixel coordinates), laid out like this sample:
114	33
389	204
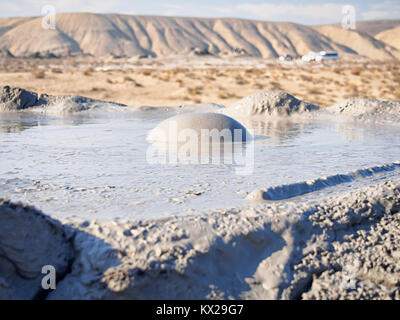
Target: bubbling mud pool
96	167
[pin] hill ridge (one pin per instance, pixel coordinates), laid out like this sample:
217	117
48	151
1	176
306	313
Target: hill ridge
136	35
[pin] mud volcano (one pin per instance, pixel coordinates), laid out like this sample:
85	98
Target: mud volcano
197	125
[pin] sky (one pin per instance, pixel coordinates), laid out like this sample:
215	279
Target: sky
303	11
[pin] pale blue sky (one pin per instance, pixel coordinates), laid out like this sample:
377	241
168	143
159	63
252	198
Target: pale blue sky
304	11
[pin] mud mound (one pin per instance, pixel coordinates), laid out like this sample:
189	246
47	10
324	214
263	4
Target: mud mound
200	124
299	188
16	99
269	104
64	105
366	107
29	240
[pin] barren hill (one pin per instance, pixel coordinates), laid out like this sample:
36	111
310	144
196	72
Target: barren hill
362	43
102	34
391	36
376	26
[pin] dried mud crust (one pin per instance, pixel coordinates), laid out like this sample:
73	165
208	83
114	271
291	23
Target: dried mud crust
272	251
30	240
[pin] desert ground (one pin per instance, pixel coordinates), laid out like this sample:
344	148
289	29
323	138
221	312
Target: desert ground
186	80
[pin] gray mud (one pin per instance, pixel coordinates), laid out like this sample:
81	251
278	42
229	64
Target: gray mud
346	247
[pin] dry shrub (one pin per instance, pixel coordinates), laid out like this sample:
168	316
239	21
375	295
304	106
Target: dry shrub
365	80
195	90
129	79
254	72
96	89
275	76
179	70
258	86
356	71
284	76
261	72
351	95
315	90
306	78
367	96
352	87
191	75
38	74
56	70
226	95
146	72
241	81
275	85
391	88
139	85
165	78
337	70
88	71
373	69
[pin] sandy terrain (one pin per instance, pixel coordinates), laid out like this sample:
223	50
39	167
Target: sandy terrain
175	81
